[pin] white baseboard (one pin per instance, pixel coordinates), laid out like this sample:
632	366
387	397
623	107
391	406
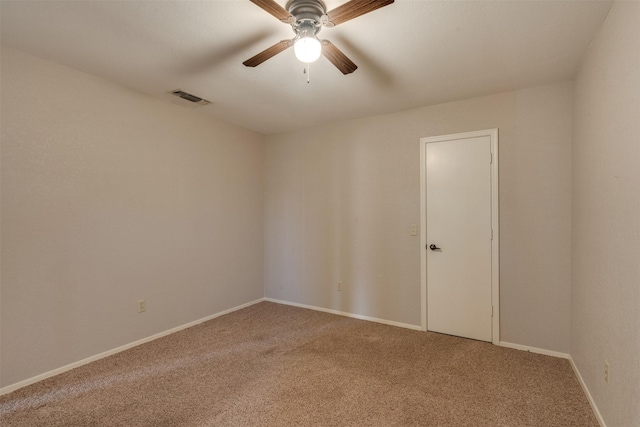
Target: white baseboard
596	412
347	314
587	393
534	350
24	383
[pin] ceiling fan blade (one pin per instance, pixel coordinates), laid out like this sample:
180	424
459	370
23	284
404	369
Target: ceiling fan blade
353	9
273	8
268	53
337	58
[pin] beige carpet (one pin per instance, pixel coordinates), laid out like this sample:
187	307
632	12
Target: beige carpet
275	365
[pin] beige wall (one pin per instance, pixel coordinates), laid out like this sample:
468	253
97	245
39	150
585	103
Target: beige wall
605	322
110	196
340	199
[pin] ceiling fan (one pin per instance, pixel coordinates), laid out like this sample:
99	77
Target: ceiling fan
307	17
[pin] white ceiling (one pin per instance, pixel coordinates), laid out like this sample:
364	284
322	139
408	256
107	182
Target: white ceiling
411	53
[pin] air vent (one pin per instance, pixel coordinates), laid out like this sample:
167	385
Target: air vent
189	97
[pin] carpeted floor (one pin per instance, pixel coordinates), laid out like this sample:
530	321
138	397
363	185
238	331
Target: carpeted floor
276	365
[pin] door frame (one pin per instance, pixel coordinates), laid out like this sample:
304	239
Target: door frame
495	225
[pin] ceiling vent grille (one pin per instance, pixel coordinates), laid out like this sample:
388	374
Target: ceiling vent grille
191	98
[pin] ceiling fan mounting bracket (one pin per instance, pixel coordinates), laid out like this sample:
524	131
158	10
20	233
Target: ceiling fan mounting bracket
324	21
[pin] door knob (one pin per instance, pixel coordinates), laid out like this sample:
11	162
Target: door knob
434	248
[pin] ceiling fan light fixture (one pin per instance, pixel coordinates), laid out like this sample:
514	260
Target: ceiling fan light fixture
307	49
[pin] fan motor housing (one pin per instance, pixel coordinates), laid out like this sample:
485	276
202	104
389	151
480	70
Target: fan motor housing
306	10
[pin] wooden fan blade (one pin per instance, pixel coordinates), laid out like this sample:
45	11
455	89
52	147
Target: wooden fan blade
337	58
353	9
268	53
273	8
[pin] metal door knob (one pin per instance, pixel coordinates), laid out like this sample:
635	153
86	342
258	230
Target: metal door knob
434	248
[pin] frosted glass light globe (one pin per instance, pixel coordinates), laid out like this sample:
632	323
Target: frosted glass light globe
307	49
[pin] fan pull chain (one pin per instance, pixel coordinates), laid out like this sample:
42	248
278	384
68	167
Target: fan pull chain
307	71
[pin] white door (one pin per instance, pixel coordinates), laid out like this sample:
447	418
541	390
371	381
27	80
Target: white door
459	237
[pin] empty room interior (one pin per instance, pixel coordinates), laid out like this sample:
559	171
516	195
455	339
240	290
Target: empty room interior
202	226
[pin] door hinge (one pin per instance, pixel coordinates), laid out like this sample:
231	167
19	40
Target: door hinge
491	159
491	311
492	234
